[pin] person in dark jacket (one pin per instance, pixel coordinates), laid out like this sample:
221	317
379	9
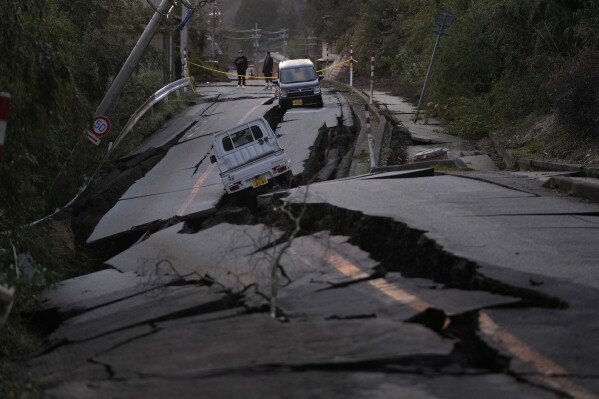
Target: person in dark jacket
242	65
267	70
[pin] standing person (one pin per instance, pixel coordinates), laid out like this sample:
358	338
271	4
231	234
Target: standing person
242	65
267	70
178	67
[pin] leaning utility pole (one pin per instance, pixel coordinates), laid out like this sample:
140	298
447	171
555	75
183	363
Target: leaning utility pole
133	59
444	20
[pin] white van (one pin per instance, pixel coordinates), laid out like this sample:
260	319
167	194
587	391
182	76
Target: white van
299	84
249	156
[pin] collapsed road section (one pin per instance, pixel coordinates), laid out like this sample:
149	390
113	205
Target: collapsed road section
183	183
394	284
362	296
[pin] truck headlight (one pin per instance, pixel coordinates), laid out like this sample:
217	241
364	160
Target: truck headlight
283	93
317	90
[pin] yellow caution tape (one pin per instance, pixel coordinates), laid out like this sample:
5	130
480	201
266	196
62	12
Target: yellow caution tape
335	65
258	77
189	77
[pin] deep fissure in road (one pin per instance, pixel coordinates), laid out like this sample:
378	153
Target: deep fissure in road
408	251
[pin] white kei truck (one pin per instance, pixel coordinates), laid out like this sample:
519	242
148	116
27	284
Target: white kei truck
250	156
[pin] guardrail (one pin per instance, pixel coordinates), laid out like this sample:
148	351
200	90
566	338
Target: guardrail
135	117
150	102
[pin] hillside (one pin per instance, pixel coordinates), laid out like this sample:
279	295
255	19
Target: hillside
524	70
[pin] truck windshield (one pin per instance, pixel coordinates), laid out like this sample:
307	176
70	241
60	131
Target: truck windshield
298	74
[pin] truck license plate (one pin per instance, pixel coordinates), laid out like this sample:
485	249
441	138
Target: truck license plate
259	181
297	102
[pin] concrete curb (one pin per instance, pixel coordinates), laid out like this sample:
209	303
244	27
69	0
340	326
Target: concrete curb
450	163
378	132
577	187
510	162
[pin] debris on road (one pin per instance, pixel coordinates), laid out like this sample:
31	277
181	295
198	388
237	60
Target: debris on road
430	153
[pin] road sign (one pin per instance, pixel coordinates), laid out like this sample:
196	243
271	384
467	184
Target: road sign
93	137
444	21
100	126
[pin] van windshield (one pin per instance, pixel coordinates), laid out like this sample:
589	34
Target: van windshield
298	74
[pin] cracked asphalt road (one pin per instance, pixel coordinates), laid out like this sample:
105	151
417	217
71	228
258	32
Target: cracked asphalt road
412	286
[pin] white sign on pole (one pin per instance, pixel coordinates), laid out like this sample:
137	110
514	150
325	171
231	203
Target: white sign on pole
92	137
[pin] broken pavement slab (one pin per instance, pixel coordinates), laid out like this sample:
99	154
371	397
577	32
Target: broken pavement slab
100	288
311	384
419	293
258	341
473	220
223	254
430	134
147	307
238	257
74	361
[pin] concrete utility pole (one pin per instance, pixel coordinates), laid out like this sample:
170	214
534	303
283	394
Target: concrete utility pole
444	20
184	41
285	37
256	36
311	42
215	20
213	29
133	59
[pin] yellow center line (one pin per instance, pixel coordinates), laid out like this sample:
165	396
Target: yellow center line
250	112
194	192
349	269
513	344
547	367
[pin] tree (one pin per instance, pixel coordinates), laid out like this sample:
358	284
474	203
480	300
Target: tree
263	12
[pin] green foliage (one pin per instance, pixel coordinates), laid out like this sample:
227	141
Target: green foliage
575	93
499	63
262	12
60	58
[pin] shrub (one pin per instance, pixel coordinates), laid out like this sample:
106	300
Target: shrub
575	93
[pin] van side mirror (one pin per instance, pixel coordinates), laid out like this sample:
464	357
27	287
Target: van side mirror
212	158
320	77
275	82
